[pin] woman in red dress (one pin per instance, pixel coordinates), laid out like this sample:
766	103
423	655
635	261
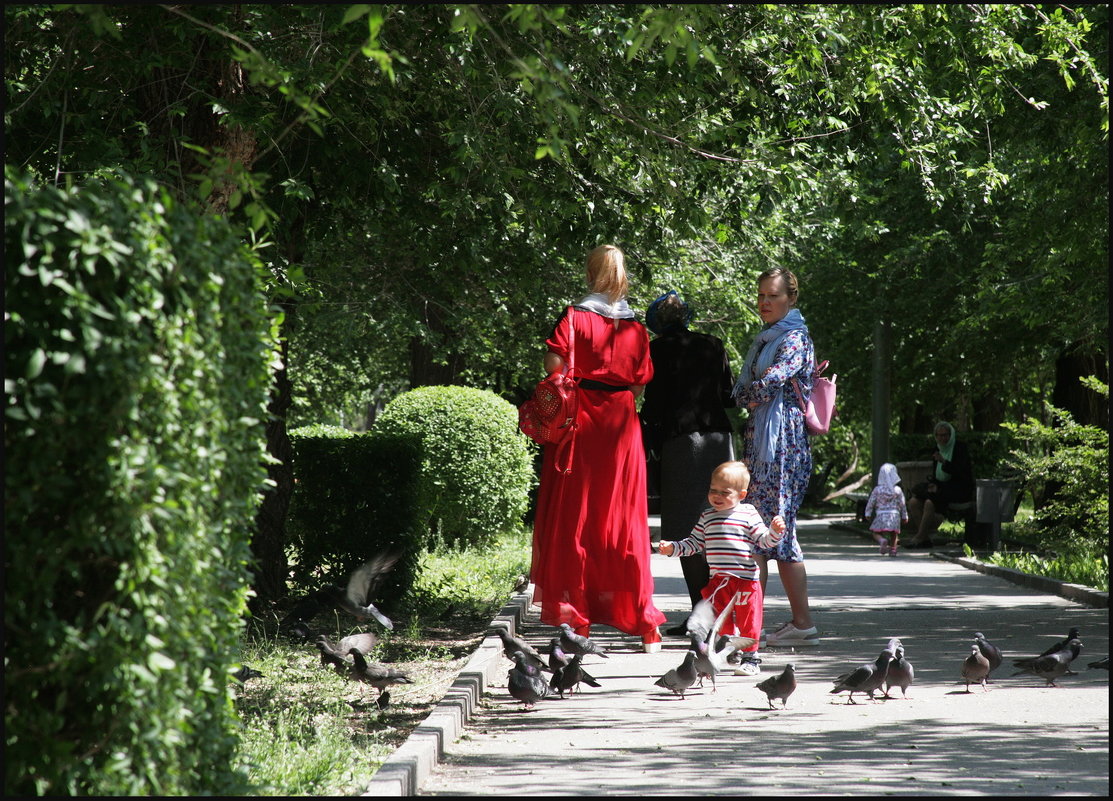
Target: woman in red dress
591	536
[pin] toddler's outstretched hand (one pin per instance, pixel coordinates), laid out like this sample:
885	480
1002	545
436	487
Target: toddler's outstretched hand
777	524
666	548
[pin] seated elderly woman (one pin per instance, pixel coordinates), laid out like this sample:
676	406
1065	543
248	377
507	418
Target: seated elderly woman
950	486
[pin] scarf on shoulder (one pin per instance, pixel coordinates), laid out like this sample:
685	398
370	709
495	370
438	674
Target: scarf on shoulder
768	418
597	302
946	451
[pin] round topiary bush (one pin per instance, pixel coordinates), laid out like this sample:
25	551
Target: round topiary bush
477	469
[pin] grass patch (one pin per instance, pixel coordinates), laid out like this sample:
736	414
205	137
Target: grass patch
309	731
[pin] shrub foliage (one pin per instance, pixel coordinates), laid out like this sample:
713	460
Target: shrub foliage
136	377
355	495
477	468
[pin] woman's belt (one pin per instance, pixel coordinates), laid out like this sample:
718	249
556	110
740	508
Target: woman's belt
588	383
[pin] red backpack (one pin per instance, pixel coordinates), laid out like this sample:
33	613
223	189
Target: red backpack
548	417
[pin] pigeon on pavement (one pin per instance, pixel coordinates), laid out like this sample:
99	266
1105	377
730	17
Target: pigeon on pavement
1062	645
680	679
510	644
557	657
524	682
990	651
780	686
1101	664
900	672
573	643
866	678
1050	666
975	668
569	677
377	675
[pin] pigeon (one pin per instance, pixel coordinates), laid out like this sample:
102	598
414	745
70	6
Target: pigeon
383	701
990	651
376	674
510	644
899	673
781	686
866	678
703	630
245	673
521	583
524	682
1073	634
331	656
557	658
355	599
975	668
573	643
570	676
1050	666
680	679
1101	664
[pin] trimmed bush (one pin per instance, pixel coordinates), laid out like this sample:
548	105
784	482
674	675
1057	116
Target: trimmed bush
136	378
355	495
477	468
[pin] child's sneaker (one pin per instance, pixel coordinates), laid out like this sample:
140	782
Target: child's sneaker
790	635
893	551
884	543
750	666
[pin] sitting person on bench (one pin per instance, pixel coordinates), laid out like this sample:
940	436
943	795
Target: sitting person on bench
949	488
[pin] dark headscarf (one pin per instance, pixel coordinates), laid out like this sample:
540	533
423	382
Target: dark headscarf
661	316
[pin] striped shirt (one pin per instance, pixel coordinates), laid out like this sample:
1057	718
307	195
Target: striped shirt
727	539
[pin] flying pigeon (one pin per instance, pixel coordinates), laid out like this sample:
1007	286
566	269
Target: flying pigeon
899	673
703	630
573	643
377	675
781	686
524	682
680	679
355	599
990	651
331	656
866	678
1050	666
510	644
570	676
975	668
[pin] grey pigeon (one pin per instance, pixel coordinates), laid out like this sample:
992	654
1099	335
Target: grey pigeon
680	679
990	651
510	644
521	583
245	673
573	643
975	668
900	672
866	678
1050	666
569	677
524	682
331	656
355	598
1101	664
1064	643
557	658
377	675
703	630
383	701
780	686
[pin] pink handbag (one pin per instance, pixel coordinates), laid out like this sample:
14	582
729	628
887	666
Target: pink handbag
820	408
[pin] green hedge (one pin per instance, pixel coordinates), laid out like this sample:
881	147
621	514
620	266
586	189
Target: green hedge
136	378
477	468
355	495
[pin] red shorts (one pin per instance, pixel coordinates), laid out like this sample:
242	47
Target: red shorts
746	617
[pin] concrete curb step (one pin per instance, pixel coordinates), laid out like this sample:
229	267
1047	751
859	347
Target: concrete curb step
403	773
1072	592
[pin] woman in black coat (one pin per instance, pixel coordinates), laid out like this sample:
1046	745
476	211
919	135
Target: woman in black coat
950	485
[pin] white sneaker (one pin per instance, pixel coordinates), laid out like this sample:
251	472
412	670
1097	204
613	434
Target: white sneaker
790	635
749	667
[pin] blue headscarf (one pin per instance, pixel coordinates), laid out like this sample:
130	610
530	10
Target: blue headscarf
768	417
652	320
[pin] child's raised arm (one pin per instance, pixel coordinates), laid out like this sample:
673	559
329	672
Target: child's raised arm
777	524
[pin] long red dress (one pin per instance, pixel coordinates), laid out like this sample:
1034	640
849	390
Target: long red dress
591	531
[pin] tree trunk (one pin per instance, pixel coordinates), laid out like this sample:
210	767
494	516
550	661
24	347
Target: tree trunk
1085	406
428	367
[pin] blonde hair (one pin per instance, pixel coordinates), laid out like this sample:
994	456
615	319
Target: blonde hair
606	272
792	286
735	474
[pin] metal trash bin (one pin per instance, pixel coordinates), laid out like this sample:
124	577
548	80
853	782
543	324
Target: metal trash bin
996	500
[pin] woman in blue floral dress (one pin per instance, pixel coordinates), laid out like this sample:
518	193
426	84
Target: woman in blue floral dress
776	446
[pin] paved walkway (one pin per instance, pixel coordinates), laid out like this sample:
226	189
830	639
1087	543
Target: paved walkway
631	738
